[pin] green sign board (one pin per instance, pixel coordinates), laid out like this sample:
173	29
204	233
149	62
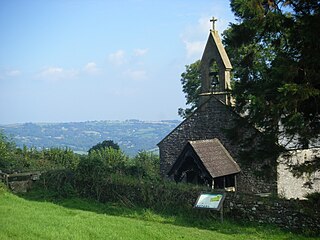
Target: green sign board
210	201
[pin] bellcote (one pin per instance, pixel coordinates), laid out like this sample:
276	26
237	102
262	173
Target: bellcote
215	69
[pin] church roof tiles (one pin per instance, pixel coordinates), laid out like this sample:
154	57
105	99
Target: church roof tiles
215	157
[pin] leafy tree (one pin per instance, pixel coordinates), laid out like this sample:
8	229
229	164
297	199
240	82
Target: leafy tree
16	159
275	52
6	152
190	80
113	160
146	166
58	158
105	144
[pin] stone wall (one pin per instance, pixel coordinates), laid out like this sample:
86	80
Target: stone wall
20	186
294	215
298	215
211	120
290	186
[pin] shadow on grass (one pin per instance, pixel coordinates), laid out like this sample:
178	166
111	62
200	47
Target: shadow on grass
195	218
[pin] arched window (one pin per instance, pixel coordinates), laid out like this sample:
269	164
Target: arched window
214	76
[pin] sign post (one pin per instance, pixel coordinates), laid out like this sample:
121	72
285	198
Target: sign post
212	201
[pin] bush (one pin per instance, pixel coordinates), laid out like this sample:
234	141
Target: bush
146	165
3	188
113	160
60	181
26	159
6	153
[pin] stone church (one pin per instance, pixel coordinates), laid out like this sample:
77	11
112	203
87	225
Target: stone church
215	146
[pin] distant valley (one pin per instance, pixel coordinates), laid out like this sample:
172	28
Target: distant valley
131	135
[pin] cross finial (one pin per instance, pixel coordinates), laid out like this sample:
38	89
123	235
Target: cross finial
213	20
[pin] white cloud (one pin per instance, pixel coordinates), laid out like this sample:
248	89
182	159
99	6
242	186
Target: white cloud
137	75
197	31
194	36
125	92
140	52
13	73
57	73
194	49
117	58
91	68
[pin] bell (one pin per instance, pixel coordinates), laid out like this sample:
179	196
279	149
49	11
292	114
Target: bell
214	80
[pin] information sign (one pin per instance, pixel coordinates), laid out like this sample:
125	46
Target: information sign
210	201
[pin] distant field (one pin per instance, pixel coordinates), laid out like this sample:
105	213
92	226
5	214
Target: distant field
26	219
131	135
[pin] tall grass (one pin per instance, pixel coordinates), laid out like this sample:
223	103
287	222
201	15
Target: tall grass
76	218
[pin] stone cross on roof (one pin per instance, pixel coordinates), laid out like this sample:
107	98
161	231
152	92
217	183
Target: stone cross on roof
213	20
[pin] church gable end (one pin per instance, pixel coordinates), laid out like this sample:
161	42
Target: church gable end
215	118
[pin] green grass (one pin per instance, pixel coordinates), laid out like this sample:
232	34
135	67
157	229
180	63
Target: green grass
75	218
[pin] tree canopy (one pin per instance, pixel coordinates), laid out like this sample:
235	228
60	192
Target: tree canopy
190	80
104	144
275	51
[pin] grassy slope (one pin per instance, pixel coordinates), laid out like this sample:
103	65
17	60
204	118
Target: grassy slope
26	219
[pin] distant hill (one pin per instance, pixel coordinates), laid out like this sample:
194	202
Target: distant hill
131	135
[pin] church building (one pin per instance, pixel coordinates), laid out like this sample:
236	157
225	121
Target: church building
217	147
214	145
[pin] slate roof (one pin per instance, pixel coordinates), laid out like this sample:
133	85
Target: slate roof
215	157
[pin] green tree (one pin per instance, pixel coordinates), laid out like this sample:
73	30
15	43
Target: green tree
57	158
113	160
146	166
105	144
6	152
190	80
275	52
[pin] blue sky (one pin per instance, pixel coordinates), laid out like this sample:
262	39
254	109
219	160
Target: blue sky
82	60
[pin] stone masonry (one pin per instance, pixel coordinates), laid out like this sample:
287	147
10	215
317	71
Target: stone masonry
213	119
290	186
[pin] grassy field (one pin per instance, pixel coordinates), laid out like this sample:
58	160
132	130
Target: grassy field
22	218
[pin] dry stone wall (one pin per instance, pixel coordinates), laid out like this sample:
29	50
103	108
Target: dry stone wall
294	214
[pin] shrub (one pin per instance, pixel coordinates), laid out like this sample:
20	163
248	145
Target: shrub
113	160
146	165
60	181
3	188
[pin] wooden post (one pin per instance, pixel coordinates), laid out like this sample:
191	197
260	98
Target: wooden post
221	214
7	179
